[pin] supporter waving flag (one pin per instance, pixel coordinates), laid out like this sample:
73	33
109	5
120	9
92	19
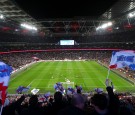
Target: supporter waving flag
5	71
47	95
59	87
70	90
121	59
22	89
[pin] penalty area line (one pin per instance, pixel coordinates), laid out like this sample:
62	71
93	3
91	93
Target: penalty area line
31	82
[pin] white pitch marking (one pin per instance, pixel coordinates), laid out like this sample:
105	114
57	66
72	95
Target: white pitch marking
31	82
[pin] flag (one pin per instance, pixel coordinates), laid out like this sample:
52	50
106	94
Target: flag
47	95
19	89
35	91
121	59
70	90
22	89
99	90
41	98
59	87
35	58
5	71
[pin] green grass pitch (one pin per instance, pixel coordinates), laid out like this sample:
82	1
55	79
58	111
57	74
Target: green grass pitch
88	74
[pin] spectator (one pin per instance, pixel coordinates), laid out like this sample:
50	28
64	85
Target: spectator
33	108
76	107
58	103
100	104
10	109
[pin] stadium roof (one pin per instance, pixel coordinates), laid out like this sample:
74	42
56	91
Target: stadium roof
65	17
46	9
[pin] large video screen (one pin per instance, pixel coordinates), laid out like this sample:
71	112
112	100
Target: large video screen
66	42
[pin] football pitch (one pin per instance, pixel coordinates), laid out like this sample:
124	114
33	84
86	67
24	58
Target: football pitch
88	74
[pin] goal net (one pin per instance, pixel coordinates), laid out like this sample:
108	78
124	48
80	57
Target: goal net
68	84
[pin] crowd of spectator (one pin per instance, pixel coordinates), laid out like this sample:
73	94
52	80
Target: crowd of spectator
22	58
125	36
75	104
15	47
124	40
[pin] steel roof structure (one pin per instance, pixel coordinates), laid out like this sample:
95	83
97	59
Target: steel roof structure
14	15
77	26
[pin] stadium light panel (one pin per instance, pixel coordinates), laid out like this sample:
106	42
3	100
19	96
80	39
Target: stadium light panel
131	15
27	26
116	28
109	23
106	25
97	28
1	16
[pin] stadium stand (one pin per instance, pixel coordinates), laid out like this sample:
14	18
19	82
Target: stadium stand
79	104
93	40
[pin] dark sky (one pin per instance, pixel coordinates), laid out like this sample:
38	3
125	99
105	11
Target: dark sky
44	9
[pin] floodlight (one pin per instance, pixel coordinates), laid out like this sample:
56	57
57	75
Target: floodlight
109	23
1	16
98	28
104	26
130	15
29	26
117	28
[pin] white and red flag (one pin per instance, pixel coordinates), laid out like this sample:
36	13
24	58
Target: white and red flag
5	71
35	58
121	59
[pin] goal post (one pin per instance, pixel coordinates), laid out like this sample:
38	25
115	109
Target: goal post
68	84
